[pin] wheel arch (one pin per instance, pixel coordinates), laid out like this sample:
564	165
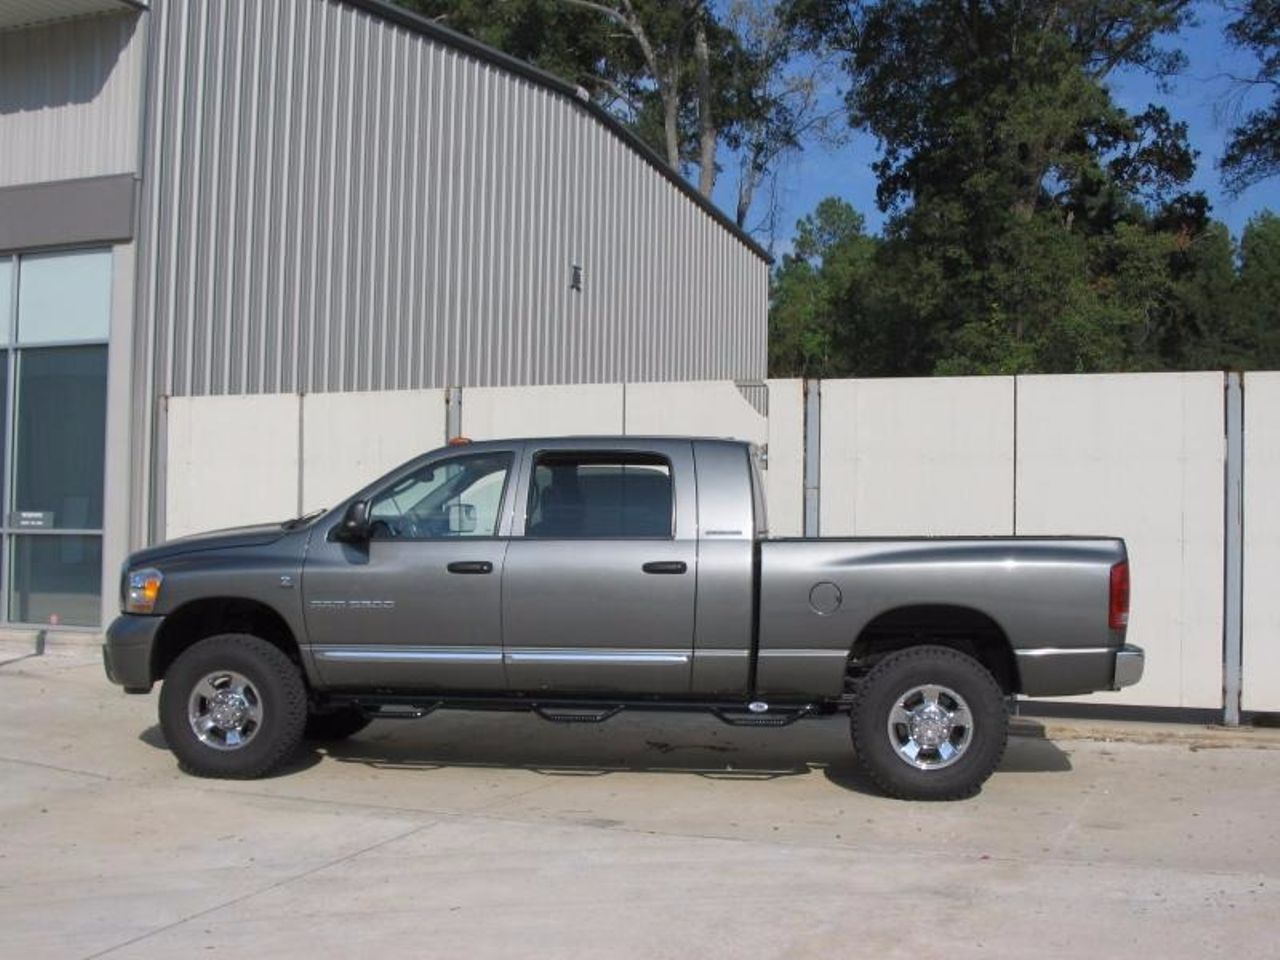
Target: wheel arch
962	628
205	617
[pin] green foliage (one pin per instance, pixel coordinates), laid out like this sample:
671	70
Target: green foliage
1253	151
832	257
568	41
1035	226
1259	288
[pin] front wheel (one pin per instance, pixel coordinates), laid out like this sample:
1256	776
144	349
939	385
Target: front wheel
233	706
929	723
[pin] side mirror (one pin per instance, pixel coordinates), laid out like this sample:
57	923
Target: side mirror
462	518
355	523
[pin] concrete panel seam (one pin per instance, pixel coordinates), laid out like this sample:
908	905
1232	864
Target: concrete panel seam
1233	561
1014	524
302	450
812	457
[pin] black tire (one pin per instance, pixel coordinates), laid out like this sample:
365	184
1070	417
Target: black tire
279	694
333	725
890	681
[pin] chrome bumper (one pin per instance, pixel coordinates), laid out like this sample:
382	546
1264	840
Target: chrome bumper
1129	663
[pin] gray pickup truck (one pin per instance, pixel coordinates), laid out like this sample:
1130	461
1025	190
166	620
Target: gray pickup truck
577	577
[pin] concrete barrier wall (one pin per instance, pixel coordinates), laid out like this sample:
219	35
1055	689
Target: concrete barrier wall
231	461
491	413
917	457
1261	673
694	408
1139	456
784	476
351	439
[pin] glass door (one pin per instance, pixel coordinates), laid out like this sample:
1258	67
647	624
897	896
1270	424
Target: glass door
53	424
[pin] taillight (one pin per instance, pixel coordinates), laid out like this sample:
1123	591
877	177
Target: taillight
1118	609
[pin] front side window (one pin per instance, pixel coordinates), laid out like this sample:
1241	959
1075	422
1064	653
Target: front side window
599	495
459	497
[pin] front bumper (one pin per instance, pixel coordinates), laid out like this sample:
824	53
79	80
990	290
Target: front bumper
1065	672
126	654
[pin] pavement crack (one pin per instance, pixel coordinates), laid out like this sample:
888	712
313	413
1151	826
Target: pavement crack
259	892
56	768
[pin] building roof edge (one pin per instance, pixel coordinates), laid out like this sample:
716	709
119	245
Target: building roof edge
452	38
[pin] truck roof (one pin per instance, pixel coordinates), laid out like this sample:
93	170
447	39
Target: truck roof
598	438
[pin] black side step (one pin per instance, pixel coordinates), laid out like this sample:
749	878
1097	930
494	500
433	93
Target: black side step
397	711
390	705
747	718
558	714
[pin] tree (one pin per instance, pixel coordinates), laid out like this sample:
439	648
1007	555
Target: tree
1258	301
1026	229
1253	149
572	43
831	257
782	102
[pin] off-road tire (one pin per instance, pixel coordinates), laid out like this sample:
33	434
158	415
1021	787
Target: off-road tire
889	679
277	680
333	725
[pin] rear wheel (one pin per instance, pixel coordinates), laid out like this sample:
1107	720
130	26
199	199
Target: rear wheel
929	723
233	706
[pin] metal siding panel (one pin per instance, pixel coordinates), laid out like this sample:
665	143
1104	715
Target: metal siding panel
284	244
412	224
482	267
456	255
531	224
594	279
70	99
334	202
441	182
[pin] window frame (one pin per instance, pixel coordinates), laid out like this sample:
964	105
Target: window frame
604	456
507	486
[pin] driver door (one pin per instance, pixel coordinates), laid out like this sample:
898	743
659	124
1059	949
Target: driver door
417	606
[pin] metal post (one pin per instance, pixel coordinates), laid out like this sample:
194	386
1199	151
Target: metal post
1233	573
453	413
812	457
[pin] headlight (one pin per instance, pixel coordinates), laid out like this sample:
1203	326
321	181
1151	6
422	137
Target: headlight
142	588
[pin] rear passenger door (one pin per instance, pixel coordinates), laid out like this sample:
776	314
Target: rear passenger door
599	586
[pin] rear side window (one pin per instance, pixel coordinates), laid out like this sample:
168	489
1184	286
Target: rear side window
599	495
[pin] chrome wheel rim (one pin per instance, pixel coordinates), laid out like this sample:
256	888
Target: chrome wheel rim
225	710
930	727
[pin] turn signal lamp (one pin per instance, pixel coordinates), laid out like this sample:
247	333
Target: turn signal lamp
143	589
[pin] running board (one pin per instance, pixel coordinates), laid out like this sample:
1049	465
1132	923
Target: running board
569	715
386	705
397	711
755	717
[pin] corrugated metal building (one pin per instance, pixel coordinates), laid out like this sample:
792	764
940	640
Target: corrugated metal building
296	196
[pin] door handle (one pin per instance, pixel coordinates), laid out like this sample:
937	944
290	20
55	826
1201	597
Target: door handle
665	566
470	566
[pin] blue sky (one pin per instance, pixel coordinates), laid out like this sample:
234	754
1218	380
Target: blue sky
1200	96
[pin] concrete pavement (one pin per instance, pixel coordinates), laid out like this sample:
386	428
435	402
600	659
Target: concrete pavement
493	835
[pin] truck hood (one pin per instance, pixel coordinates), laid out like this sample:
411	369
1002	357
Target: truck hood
258	535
